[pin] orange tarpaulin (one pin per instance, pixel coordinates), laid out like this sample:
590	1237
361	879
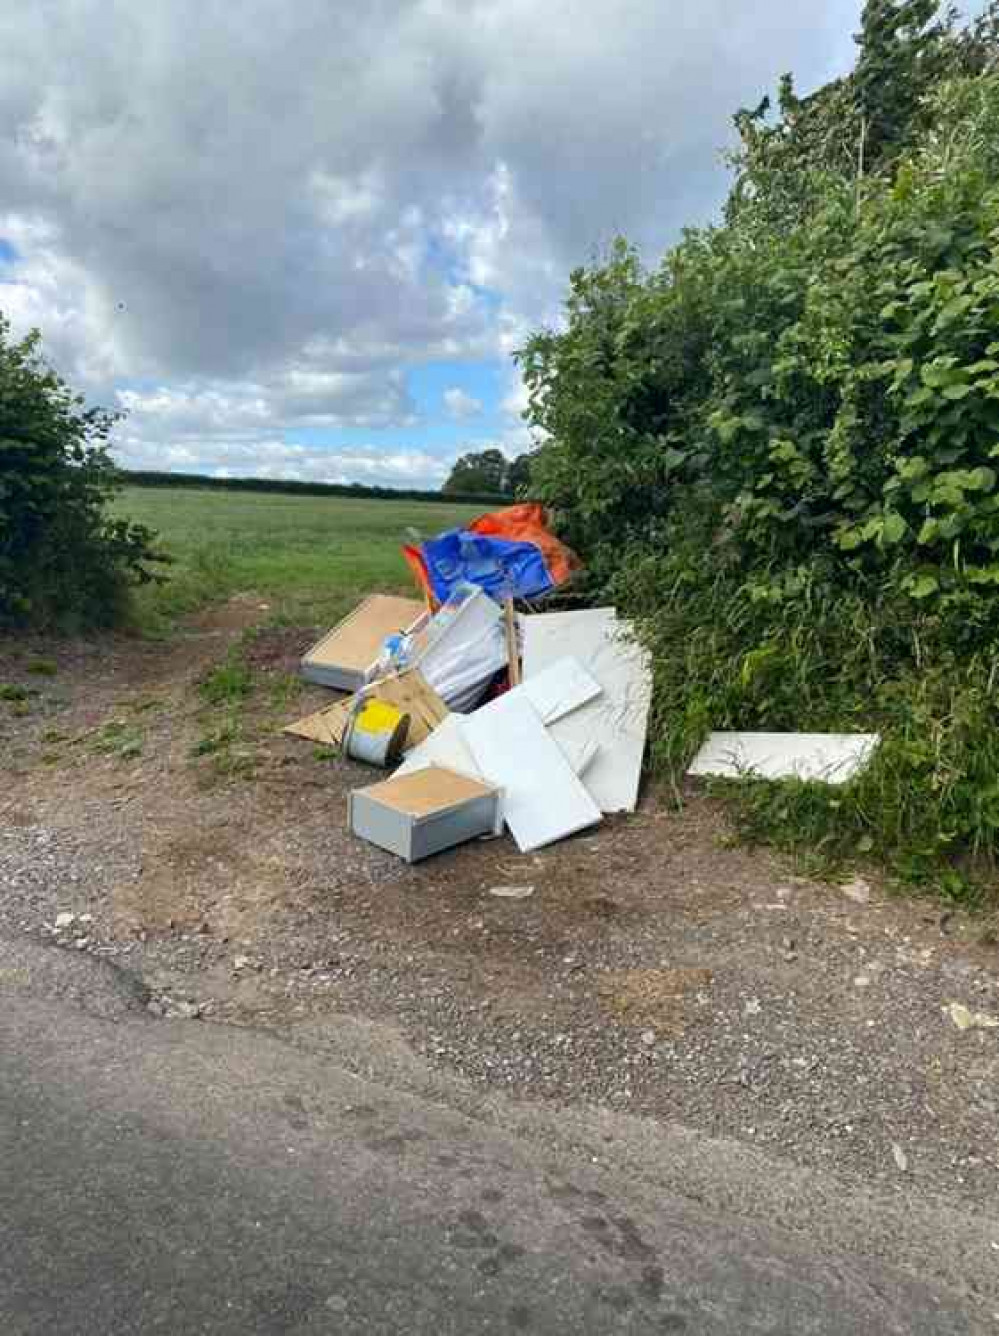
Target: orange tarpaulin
527	523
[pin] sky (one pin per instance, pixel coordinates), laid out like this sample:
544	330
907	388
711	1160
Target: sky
303	240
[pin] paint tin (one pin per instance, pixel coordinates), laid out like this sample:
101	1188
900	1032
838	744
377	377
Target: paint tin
375	733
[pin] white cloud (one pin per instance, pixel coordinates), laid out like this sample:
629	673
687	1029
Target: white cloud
268	212
460	406
264	457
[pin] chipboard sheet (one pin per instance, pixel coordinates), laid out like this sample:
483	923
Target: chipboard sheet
831	758
616	722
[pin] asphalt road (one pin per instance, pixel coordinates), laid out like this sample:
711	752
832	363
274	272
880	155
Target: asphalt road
179	1177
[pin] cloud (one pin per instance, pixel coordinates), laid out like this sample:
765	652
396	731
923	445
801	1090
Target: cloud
460	406
259	456
279	209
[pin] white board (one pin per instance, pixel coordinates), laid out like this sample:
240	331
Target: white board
558	690
833	758
445	746
617	721
543	801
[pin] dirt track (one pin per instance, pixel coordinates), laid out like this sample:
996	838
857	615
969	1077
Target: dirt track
655	967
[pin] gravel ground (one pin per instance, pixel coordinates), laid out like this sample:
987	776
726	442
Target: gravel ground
653	968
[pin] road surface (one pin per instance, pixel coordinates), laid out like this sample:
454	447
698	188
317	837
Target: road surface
178	1177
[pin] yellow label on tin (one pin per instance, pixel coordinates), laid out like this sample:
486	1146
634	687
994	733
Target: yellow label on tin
377	717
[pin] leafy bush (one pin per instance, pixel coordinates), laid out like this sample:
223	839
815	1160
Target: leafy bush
779	449
62	559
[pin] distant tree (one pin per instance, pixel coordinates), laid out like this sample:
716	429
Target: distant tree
489	471
483	471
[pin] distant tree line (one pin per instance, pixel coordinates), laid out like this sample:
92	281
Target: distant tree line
289	487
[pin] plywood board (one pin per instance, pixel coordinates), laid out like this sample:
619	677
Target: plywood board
616	722
344	655
434	789
543	801
833	758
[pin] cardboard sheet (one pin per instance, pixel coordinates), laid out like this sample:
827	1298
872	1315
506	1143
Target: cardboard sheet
325	726
543	800
615	722
833	758
344	655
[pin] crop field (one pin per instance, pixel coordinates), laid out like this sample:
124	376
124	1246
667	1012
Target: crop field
311	557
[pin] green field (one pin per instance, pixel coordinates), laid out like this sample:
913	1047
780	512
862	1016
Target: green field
311	557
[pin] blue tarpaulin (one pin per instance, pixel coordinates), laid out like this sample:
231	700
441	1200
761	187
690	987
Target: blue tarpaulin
503	569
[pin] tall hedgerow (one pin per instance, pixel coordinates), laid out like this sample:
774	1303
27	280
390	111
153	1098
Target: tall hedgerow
780	449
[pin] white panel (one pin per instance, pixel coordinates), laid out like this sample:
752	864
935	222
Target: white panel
831	757
580	753
617	721
445	746
543	801
560	689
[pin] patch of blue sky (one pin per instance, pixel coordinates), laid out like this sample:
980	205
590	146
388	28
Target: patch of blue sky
480	380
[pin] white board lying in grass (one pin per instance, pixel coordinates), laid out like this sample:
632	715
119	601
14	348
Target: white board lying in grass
616	721
543	801
833	758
